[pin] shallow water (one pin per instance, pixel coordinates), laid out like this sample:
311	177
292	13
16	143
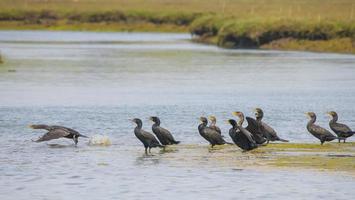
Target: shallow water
95	82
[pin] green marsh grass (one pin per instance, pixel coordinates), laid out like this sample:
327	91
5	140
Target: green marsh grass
314	25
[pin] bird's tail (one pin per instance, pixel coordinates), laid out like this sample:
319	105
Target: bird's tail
84	136
176	142
283	140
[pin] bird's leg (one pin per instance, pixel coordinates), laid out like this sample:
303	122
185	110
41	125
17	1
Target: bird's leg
338	140
75	139
321	142
267	141
146	152
344	140
150	149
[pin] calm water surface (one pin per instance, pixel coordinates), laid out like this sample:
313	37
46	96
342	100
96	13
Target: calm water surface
95	82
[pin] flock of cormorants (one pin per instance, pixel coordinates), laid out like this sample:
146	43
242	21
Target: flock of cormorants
247	138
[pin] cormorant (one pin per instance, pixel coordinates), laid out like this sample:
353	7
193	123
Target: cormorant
164	136
148	139
342	130
321	133
254	128
213	124
241	136
55	132
268	132
212	136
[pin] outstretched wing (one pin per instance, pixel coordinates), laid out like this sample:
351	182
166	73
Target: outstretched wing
54	134
252	125
247	134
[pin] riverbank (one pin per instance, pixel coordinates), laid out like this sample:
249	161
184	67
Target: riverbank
312	35
322	26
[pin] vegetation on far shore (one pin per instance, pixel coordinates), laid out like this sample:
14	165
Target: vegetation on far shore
314	25
1	60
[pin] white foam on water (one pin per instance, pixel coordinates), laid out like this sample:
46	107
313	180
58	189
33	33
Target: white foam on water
100	140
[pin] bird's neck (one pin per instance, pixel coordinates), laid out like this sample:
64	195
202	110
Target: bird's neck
334	119
234	126
241	120
202	125
213	123
312	120
139	126
157	123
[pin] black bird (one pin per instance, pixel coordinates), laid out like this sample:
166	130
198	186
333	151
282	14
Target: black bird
148	139
213	124
55	132
254	127
241	136
212	136
342	130
268	132
164	136
321	133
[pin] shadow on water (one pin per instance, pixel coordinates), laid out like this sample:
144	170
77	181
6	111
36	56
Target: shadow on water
59	146
147	160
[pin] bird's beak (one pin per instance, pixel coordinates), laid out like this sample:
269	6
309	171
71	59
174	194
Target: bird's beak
30	126
200	119
150	118
235	113
328	113
210	117
228	122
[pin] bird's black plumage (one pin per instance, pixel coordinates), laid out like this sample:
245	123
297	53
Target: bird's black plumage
164	136
213	124
268	132
341	130
211	135
148	139
241	136
321	133
254	127
55	132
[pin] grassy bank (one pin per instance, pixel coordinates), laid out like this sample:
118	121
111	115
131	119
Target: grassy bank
313	25
311	35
